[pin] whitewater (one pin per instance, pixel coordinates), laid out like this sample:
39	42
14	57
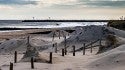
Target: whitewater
19	24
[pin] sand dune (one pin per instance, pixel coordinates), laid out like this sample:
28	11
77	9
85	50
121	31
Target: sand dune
113	59
117	32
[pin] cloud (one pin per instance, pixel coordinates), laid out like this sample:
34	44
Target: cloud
5	7
68	4
107	4
38	3
17	2
52	3
82	4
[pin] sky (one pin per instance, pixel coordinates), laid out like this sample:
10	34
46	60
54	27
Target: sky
62	9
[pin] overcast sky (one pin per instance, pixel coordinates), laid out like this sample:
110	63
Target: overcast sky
62	9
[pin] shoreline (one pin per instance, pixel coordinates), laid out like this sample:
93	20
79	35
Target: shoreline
24	32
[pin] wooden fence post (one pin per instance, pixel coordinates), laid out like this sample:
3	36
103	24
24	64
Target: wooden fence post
73	50
65	41
11	66
28	39
65	45
53	36
55	47
84	49
32	63
62	52
59	34
66	50
50	57
15	57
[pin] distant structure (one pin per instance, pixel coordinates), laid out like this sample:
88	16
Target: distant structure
52	20
33	18
122	18
49	18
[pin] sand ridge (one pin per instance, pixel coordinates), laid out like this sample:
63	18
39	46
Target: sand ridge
112	59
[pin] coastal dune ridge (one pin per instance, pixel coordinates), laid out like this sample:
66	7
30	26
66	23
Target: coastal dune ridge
104	46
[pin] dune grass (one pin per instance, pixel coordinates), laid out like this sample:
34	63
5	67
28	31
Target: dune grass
119	24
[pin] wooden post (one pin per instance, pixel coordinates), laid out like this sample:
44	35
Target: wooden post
28	38
50	58
28	42
53	36
66	50
11	66
62	52
84	49
15	57
65	45
64	41
32	63
55	47
91	49
73	50
59	34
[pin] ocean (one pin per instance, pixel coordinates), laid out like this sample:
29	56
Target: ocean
12	25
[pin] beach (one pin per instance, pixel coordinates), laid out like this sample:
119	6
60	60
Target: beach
53	40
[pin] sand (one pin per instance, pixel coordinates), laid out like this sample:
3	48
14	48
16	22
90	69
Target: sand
67	62
112	59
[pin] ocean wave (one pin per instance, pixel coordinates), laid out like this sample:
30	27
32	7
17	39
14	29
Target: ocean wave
57	25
